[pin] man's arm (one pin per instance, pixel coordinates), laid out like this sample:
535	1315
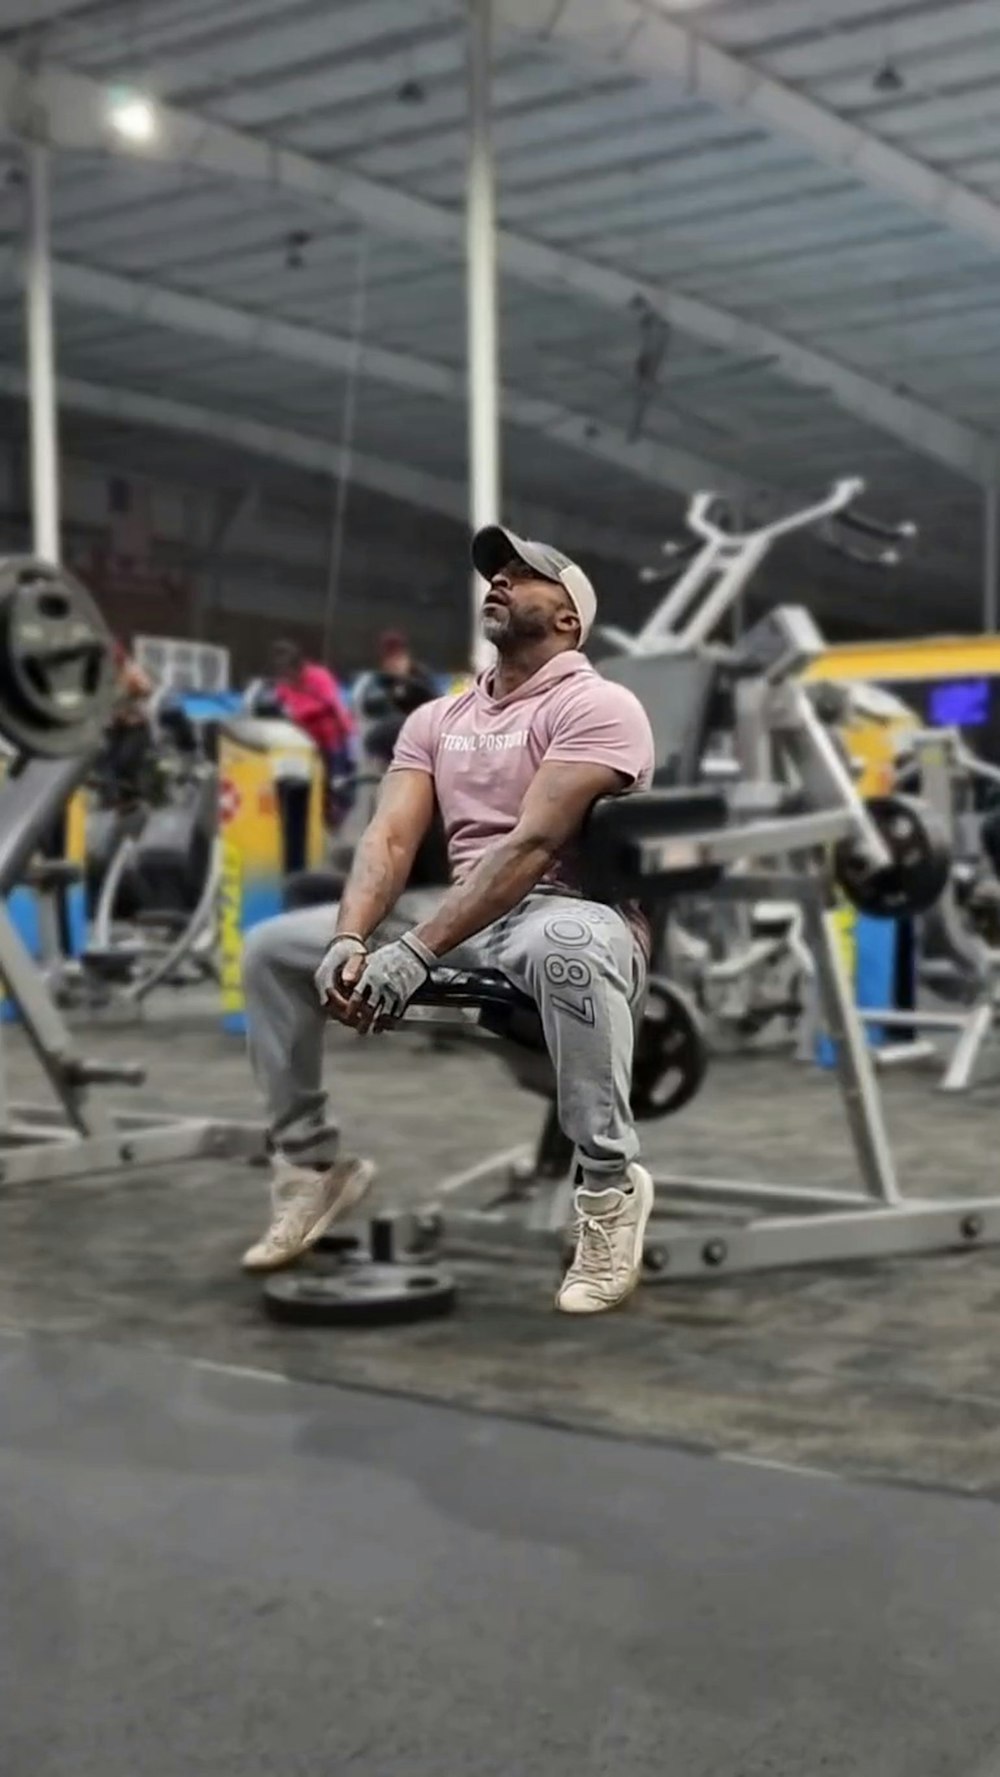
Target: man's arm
554	809
385	853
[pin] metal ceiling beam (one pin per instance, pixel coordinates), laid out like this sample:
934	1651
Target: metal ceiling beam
70	110
154	305
430	493
640	37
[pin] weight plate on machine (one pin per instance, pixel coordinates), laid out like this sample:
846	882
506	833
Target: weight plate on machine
921	861
360	1295
57	676
671	1057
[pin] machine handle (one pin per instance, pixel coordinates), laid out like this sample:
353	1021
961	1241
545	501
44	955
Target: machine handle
678	551
866	526
893	541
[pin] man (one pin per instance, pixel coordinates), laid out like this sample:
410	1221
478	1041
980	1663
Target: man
128	758
311	698
514	766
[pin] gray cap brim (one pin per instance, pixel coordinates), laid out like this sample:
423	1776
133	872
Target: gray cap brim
493	547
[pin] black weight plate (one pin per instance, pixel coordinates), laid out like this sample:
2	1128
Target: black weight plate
360	1295
57	676
671	1056
921	861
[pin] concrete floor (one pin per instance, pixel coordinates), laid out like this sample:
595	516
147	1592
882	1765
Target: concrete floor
209	1573
216	1558
881	1371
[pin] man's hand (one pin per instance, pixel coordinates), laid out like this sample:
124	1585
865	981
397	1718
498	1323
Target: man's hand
338	974
388	982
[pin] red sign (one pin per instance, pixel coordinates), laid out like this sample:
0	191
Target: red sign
229	801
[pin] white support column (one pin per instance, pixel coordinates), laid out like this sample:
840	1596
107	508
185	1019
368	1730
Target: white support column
991	558
481	300
41	358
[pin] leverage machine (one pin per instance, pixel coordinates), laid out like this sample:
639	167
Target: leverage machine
753	799
57	686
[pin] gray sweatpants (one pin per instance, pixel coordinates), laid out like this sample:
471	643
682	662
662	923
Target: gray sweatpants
578	960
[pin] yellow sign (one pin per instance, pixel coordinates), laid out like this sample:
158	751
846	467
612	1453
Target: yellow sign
231	929
920	657
271	789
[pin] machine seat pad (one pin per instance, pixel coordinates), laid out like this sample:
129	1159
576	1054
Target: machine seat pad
506	1011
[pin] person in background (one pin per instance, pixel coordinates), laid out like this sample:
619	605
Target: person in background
384	697
310	697
405	683
128	756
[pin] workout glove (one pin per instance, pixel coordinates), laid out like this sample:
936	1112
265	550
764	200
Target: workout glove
392	977
327	976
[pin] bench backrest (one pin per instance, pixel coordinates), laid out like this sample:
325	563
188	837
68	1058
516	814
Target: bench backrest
678	693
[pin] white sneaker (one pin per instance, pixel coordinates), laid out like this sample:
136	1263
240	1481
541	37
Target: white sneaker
610	1229
304	1203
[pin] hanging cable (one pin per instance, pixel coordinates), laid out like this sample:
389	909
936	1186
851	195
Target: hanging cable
346	454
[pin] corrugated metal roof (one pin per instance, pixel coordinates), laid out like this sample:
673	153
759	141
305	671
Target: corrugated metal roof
639	169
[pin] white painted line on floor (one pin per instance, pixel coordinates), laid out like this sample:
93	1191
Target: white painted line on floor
243	1370
494	1161
783	1468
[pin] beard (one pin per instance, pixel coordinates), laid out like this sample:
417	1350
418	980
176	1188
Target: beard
508	629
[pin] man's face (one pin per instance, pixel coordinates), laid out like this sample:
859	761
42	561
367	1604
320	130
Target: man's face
397	663
522	607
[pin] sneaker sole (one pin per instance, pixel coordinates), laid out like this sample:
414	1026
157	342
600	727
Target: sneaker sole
349	1198
636	1277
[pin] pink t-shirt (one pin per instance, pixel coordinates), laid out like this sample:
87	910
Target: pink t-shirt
483	752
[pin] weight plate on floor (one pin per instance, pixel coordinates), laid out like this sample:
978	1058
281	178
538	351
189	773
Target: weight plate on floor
921	861
360	1295
57	675
671	1056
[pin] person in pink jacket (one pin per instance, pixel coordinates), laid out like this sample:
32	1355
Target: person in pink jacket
311	698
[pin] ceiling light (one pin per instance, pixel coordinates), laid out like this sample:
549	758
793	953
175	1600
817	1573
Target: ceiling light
133	116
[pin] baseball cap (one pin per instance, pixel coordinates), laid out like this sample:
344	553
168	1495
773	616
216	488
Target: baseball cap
493	547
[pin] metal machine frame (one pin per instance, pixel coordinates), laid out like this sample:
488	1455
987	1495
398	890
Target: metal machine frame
709	1226
704	1227
157	959
941	758
78	1134
718	571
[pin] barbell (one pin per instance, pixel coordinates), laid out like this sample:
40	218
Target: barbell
57	670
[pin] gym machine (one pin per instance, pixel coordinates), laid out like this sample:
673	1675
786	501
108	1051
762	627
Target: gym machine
792	807
717	562
56	693
801	815
955	962
746	964
155	918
